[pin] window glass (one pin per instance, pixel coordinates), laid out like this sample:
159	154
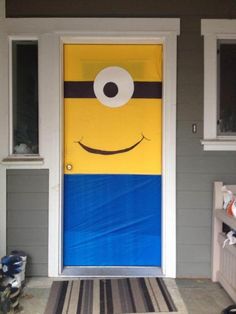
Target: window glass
25	96
226	115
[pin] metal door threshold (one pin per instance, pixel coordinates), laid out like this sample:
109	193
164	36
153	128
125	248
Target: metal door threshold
115	271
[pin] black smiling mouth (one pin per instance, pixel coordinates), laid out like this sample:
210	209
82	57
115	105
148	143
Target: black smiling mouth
110	152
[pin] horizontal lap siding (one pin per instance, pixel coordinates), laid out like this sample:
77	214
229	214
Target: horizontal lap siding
27	217
124	8
196	169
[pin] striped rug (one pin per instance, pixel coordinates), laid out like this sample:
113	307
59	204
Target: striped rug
110	296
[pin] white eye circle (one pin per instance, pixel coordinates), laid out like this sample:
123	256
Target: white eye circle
113	86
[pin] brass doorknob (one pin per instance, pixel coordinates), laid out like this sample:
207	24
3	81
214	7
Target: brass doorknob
69	167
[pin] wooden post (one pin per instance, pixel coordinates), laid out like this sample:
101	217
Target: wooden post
216	229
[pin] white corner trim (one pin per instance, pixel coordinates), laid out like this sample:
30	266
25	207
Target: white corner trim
218	26
210	87
219	145
169	157
14	162
3	213
88	26
214	29
2	9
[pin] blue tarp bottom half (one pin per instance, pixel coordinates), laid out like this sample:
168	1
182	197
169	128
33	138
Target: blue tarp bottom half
112	220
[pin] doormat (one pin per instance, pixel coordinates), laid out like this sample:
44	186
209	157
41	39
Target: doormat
110	296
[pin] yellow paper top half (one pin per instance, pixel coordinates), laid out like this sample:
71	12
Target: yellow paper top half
84	62
112	129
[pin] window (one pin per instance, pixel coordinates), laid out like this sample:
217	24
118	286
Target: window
226	74
219	84
24	97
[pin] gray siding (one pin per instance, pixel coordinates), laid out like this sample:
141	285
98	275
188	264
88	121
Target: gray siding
27	217
123	8
196	169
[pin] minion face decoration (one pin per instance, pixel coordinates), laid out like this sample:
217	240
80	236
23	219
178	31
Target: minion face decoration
113	144
113	108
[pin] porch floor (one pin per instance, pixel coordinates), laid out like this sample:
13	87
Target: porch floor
201	296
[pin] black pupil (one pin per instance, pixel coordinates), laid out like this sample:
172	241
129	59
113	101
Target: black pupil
110	89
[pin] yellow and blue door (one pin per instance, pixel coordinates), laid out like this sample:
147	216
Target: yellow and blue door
113	155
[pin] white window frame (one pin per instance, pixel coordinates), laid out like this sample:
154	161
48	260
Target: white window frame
214	30
11	154
51	33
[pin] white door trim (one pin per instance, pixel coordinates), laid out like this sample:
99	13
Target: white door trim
51	33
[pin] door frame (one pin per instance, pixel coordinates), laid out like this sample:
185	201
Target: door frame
134	38
52	33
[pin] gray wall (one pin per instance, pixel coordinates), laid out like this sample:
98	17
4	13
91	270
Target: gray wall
196	169
121	8
27	217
